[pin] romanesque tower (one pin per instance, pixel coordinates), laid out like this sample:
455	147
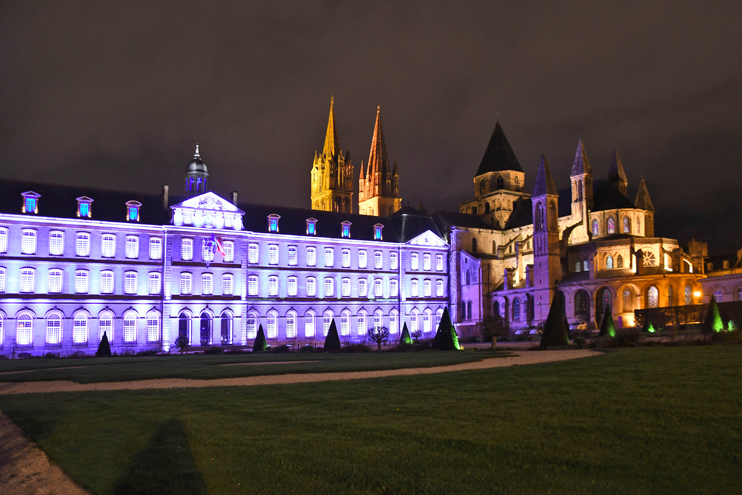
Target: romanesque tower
581	177
616	173
378	189
546	257
332	173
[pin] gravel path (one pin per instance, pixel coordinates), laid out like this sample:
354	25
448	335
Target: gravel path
523	358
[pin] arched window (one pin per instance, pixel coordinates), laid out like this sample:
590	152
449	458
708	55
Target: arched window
611	226
619	261
438	318
252	325
552	214
516	310
54	329
609	262
291	325
626	225
670	296
539	216
130	327
581	303
427	321
585	266
718	295
596	227
2	326
153	326
362	323
227	326
80	328
628	303
500	182
486	207
496	308
468	277
393	322
579	190
24	330
345	323
605	301
468	310
184	325
639	225
463	310
309	319
271	325
378	319
327	321
516	181
474	245
653	297
414	318
577	267
481	187
689	295
205	329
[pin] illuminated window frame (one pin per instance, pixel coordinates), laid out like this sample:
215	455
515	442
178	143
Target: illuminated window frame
84	207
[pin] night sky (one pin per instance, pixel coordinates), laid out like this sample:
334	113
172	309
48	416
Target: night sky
116	95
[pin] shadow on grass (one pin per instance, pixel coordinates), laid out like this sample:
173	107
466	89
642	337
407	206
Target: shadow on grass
165	465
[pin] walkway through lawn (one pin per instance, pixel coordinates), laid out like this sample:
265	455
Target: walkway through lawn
522	358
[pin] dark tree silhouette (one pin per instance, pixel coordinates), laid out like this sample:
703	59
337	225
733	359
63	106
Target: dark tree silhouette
104	347
332	341
260	343
405	337
378	335
607	327
181	343
446	338
555	332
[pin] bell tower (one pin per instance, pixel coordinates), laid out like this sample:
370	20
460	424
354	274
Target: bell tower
332	173
547	268
581	178
378	187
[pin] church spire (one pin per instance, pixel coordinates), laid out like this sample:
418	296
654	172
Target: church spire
643	201
616	173
581	164
379	185
544	181
331	147
377	158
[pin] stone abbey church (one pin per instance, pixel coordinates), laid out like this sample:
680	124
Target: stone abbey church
145	269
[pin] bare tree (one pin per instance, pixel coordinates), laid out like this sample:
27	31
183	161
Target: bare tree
181	343
492	327
378	335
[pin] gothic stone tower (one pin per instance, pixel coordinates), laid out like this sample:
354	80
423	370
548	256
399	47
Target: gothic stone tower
644	202
581	177
546	256
332	173
378	189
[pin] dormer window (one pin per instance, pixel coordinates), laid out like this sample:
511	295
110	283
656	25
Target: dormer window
132	211
377	232
84	209
311	226
345	229
30	202
273	222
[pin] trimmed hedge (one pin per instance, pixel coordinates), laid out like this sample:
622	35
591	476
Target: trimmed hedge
405	337
607	327
332	342
446	338
260	343
555	332
104	348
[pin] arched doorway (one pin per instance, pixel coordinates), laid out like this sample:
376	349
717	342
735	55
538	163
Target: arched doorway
184	326
582	308
205	329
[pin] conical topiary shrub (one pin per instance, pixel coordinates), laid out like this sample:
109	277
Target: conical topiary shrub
555	332
332	341
607	327
405	337
260	343
446	338
647	326
713	322
104	347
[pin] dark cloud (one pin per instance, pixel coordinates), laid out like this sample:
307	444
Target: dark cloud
116	95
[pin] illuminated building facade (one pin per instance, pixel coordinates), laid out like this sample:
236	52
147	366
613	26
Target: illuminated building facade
75	263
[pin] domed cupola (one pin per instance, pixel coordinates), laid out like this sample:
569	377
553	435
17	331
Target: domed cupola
196	176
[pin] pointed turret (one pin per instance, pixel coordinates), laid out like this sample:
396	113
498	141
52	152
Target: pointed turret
379	189
616	173
332	173
544	181
581	164
377	158
643	201
331	147
498	156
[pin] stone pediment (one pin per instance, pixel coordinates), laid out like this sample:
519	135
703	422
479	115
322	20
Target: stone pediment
207	211
427	238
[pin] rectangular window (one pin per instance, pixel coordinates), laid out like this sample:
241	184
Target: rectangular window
252	285
291	286
393	288
378	288
329	287
252	253
227	284
155	283
130	329
155	248
346	258
185	283
81	282
153	327
207	283
414	262
228	247
311	256
53	329
55	281
28	244
439	288
207	251
329	257
106	282
273	224
56	242
311	287
3	240
378	260
426	261
427	288
362	290
362	260
132	247
130	282
439	262
108	245
377	232
2	289
272	286
292	255
186	249
346	230
414	289
27	280
345	287
393	261
273	254
82	245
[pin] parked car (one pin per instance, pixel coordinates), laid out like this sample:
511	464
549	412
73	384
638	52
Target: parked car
578	325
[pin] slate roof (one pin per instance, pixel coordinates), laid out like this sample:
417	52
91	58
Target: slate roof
447	219
499	155
607	196
544	181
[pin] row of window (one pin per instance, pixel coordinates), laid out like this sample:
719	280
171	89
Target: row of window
292	284
208	249
253	257
610	226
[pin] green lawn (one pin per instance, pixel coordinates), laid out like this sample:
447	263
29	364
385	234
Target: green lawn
199	366
633	421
